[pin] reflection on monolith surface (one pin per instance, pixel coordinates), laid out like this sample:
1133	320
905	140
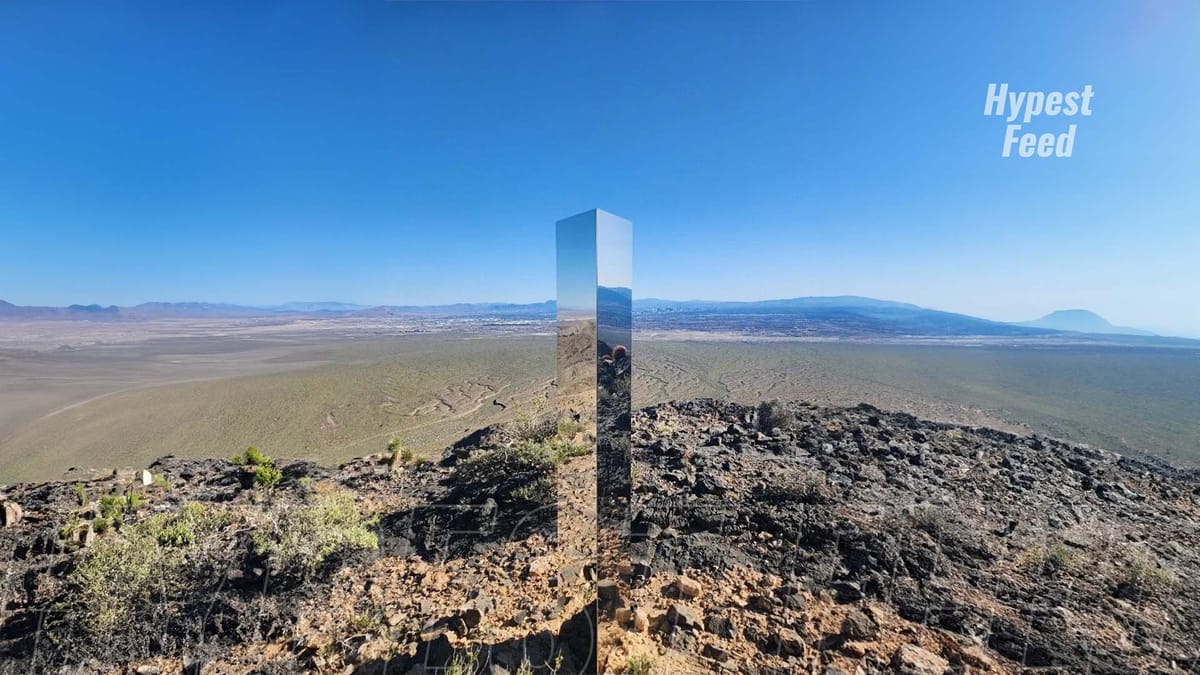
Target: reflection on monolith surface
593	404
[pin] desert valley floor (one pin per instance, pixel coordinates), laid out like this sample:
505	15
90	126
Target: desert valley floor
77	398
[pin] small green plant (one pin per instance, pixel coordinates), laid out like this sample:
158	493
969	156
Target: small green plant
81	493
560	450
100	525
69	528
1054	560
252	457
255	457
400	454
464	663
364	624
1142	575
114	506
267	476
639	665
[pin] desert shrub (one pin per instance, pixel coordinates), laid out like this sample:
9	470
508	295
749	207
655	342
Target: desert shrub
194	521
267	475
298	539
1143	575
252	457
798	485
1054	560
933	520
364	624
81	494
463	663
400	453
772	415
144	563
113	507
116	574
569	429
562	450
639	665
532	427
523	473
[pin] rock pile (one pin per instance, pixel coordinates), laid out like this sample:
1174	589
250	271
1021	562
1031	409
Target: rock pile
777	539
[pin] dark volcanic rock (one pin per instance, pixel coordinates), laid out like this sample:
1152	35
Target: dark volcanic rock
1026	544
847	540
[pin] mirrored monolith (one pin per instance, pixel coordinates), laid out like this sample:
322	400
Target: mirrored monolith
593	398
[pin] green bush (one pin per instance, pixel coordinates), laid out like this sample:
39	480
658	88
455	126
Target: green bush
464	663
1142	575
524	472
639	665
400	453
298	539
255	457
1055	560
145	562
562	450
252	457
267	475
119	573
568	429
114	506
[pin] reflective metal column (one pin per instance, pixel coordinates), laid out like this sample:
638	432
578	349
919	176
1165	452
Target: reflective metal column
593	398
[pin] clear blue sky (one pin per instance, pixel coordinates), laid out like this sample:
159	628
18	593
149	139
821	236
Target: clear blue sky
261	152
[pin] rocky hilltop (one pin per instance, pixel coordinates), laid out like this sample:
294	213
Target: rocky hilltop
775	539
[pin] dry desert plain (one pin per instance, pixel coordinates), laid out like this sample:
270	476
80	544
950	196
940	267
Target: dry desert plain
82	397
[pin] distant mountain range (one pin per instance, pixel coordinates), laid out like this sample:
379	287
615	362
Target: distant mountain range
835	316
1082	321
156	310
828	316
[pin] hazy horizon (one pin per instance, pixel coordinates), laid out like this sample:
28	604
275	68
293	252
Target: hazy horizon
420	154
636	297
